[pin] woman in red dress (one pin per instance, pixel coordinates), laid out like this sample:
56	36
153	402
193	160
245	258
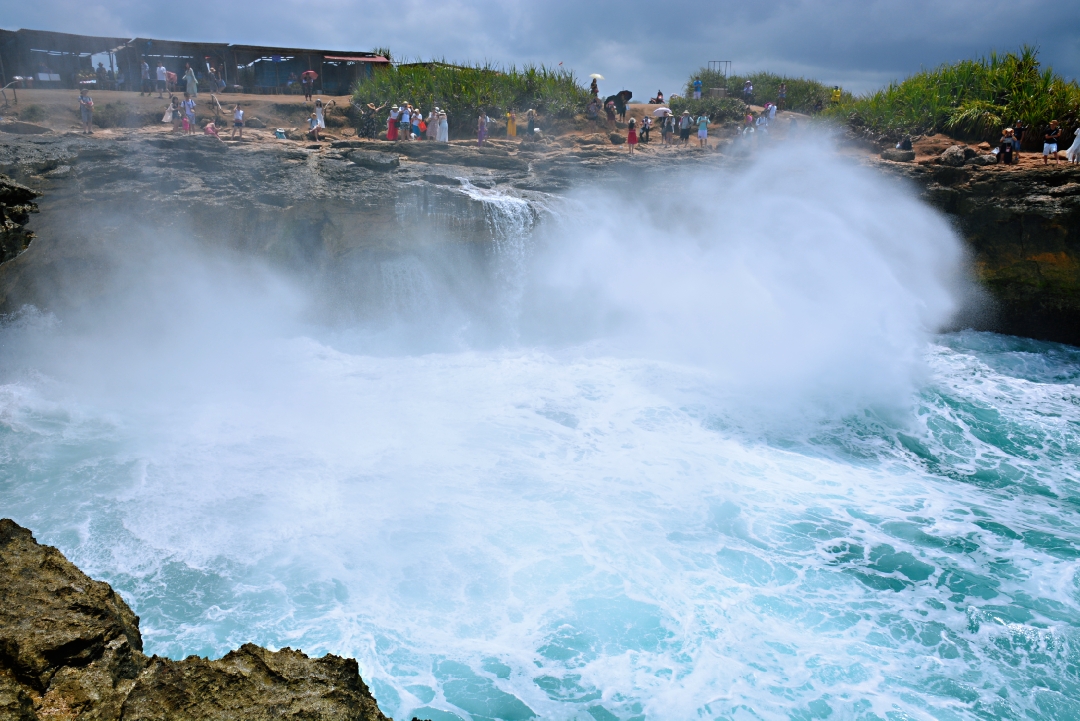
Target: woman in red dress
391	123
631	135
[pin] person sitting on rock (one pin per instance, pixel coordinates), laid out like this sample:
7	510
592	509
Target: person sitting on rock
211	129
313	127
905	143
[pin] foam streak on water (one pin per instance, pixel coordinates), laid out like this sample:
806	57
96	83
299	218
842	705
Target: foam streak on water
602	526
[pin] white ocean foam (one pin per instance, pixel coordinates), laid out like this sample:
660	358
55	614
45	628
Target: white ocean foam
582	520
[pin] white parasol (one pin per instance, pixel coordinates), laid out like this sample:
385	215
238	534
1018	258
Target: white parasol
660	112
597	76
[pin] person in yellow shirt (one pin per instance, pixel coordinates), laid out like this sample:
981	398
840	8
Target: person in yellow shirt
836	94
511	124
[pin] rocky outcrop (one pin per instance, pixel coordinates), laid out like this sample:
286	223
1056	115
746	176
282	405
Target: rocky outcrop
1023	230
16	205
328	210
70	649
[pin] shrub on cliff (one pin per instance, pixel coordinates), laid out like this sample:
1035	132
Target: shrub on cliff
802	94
717	109
973	99
463	90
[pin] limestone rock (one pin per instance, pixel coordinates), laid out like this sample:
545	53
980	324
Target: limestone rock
254	122
20	127
616	138
898	156
987	159
373	160
252	683
53	615
954	156
70	649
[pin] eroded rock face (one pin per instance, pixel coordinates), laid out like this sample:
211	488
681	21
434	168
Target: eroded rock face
16	205
70	649
1022	228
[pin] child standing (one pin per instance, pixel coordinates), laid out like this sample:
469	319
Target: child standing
189	114
86	110
631	135
237	122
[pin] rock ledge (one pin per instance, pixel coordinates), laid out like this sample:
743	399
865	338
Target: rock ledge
70	648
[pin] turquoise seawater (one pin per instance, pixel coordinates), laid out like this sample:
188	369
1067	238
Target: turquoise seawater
678	449
506	535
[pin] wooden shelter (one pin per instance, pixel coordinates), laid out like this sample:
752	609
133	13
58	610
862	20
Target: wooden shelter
38	58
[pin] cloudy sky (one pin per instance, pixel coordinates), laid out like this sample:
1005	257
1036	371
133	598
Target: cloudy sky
640	45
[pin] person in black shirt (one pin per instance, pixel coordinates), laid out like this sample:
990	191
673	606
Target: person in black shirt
1050	142
1019	131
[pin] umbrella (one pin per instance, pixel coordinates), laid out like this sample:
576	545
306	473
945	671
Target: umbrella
662	111
596	76
309	74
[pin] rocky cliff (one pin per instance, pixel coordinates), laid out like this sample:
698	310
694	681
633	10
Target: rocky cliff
1023	229
327	209
70	649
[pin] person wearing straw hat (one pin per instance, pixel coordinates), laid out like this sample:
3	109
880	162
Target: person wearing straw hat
684	127
444	128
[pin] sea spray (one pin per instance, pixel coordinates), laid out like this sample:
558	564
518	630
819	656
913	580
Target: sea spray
556	511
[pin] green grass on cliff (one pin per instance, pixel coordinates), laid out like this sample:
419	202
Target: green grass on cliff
464	90
803	95
972	99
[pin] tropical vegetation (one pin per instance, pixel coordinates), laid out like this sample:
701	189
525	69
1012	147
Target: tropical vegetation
971	99
803	95
463	90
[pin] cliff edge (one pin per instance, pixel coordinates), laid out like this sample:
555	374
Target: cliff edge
70	648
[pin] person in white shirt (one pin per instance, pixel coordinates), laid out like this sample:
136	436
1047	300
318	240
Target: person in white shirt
162	79
237	122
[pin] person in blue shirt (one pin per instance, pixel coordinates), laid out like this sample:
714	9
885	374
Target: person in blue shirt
697	89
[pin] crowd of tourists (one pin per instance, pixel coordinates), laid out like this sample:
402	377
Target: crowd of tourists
1008	149
406	123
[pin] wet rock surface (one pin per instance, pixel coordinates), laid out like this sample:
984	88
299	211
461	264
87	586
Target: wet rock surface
1022	228
70	649
331	207
16	205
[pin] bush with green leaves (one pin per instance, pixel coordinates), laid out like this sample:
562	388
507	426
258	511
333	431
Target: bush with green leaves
463	90
802	95
971	99
32	113
718	110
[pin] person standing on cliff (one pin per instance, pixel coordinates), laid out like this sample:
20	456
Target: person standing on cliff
190	81
781	96
144	87
1006	146
189	114
697	88
481	128
237	122
1050	142
86	111
162	79
1019	132
631	135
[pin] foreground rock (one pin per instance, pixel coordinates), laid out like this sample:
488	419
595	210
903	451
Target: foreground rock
70	649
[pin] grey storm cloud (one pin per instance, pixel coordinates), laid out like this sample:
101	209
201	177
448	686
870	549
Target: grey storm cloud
644	46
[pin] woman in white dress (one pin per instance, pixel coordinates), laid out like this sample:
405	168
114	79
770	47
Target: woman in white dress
319	108
192	85
444	129
1073	153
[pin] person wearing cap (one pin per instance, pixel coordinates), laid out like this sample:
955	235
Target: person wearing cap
392	122
405	123
684	127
